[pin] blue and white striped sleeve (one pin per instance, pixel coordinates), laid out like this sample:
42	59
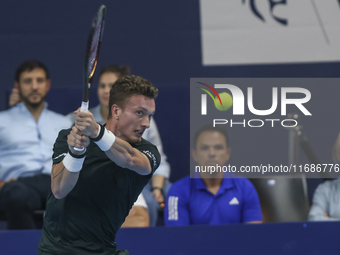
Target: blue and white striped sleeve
176	211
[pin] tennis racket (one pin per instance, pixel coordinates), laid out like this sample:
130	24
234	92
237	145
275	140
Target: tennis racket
91	56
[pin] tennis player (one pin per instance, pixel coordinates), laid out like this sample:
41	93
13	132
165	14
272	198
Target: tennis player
94	189
159	184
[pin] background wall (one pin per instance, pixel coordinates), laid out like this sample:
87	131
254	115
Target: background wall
159	40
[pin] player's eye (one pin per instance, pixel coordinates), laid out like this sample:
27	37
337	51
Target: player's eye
139	112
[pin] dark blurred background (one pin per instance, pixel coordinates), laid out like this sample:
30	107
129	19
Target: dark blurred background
160	41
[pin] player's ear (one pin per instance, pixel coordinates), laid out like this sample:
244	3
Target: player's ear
115	111
16	85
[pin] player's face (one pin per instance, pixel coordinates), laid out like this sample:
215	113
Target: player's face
106	81
135	118
211	149
33	87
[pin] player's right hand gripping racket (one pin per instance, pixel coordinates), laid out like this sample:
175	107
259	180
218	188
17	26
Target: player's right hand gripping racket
92	53
91	56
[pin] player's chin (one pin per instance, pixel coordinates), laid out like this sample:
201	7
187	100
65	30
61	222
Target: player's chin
136	138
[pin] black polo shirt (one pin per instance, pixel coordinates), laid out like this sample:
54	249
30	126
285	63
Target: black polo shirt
87	219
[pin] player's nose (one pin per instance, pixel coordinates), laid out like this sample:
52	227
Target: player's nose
146	122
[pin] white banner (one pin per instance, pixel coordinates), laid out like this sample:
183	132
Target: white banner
269	31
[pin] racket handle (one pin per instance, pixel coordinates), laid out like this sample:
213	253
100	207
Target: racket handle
78	149
84	108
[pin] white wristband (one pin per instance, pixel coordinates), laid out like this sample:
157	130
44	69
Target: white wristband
106	141
72	164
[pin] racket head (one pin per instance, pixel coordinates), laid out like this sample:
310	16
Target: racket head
92	50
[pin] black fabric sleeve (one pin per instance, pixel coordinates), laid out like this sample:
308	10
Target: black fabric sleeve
151	152
60	147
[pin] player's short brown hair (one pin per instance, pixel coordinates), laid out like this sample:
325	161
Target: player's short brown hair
127	86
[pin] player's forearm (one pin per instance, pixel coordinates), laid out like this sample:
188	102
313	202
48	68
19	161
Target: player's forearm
121	152
62	181
124	155
65	174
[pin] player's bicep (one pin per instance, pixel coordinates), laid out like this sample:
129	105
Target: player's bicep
141	163
145	161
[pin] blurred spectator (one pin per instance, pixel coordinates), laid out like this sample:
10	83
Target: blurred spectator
326	198
336	151
326	202
27	134
107	76
155	191
211	198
